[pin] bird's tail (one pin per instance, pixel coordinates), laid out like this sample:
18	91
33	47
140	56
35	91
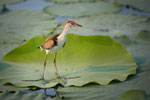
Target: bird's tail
40	48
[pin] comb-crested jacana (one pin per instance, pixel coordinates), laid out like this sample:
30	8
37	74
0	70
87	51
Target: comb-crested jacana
55	42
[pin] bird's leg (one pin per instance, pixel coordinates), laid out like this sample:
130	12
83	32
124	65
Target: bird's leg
57	74
44	67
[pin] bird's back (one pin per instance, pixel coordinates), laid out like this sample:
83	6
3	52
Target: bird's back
50	42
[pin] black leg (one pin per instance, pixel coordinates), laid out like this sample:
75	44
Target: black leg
57	73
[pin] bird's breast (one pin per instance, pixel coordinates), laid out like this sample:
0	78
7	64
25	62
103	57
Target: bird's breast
59	45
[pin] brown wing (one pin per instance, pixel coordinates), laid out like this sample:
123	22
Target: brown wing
50	42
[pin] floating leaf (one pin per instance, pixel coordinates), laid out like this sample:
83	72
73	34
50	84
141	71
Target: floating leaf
145	66
5	48
112	25
72	1
124	40
19	95
16	27
140	48
143	35
9	1
84	59
142	5
11	88
134	95
81	9
109	92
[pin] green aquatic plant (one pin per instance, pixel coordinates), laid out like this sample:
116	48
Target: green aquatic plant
143	35
10	1
111	25
142	5
82	9
84	59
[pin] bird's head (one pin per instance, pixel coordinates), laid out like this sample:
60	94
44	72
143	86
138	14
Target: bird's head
73	23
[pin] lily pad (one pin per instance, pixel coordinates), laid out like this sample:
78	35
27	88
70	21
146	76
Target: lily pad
20	95
16	27
142	5
84	59
11	88
124	40
134	95
9	1
111	25
143	35
140	48
72	1
126	89
145	66
82	9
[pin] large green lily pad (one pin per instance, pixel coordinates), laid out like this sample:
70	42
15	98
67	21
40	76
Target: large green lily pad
111	25
16	27
81	9
9	1
84	59
142	5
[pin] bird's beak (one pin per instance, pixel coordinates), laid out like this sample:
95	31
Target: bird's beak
78	25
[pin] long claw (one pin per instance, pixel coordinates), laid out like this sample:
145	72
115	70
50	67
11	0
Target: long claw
58	76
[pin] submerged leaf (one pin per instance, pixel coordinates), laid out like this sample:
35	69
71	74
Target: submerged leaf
142	5
84	59
81	9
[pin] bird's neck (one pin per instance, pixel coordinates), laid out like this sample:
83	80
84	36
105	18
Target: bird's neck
65	31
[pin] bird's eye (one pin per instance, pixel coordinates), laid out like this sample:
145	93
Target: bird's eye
72	23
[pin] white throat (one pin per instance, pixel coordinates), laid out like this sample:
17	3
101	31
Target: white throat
61	39
65	31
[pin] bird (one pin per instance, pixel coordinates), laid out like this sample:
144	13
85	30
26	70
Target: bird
54	43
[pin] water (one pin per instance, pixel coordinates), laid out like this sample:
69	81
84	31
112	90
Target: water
50	91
